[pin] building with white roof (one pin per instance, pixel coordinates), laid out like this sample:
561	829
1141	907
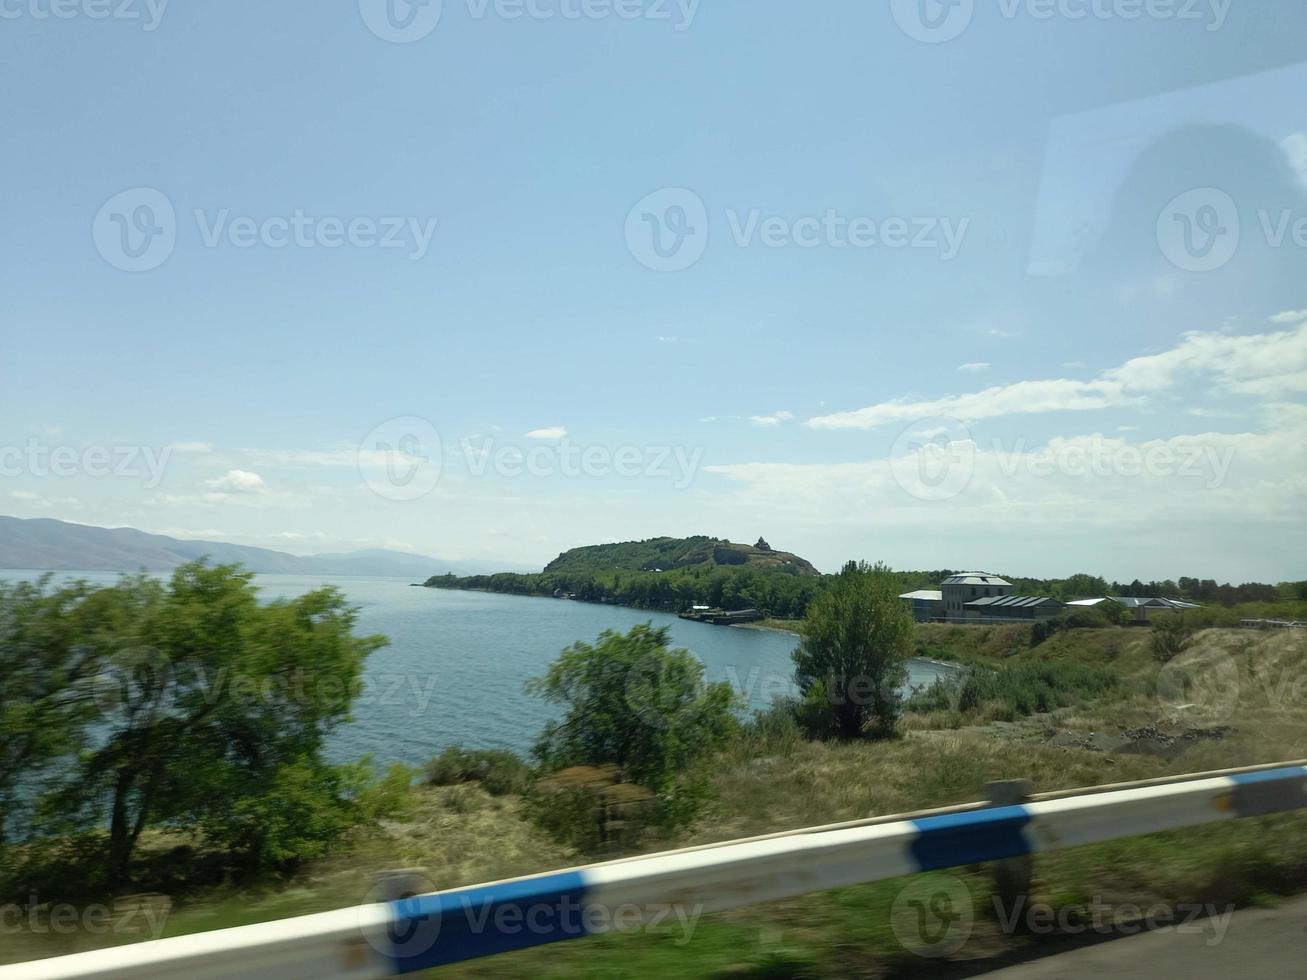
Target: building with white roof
1141	608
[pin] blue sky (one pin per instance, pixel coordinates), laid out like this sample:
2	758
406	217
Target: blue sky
927	298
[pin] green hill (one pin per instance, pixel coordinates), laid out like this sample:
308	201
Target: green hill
668	554
669	574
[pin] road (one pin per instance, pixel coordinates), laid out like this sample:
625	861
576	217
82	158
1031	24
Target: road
1259	943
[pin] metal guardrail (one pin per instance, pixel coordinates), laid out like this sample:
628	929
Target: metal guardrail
392	938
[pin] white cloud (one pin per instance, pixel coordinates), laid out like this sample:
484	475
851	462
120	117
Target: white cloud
1248	364
665	340
202	448
1295	148
237	481
1257	365
307	457
1022	398
37	500
771	421
552	433
1071	482
975	366
1289	316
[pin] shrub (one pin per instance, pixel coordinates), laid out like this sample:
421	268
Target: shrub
1008	693
1170	635
773	730
1092	617
592	809
940	695
499	771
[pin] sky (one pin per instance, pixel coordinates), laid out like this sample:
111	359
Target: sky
1015	285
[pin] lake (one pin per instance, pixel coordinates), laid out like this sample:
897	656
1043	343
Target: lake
456	663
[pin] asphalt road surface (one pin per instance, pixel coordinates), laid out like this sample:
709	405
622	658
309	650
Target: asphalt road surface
1258	943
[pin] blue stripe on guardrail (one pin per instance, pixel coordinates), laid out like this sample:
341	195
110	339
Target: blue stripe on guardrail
952	839
1268	791
435	930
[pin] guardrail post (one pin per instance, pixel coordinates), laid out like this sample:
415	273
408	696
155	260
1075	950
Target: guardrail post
397	884
1012	876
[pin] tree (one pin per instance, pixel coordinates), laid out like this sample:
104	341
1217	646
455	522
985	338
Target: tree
211	705
631	701
851	664
45	669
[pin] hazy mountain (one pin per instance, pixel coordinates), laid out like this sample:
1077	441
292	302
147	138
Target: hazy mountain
49	545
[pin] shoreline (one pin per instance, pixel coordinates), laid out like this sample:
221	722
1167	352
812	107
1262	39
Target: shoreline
769	626
782	626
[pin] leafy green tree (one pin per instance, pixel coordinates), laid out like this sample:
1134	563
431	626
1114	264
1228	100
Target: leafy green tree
851	664
46	668
631	701
213	712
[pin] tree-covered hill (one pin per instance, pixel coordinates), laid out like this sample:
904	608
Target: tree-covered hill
669	554
670	574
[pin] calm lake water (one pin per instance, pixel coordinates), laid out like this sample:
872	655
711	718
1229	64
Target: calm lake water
456	663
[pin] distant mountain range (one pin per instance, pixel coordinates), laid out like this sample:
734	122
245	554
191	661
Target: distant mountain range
49	545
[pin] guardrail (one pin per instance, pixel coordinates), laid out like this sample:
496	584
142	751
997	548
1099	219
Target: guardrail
396	937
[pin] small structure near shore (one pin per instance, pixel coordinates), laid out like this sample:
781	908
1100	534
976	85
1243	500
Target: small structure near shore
721	617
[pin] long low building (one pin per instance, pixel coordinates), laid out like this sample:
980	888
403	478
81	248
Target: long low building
927	605
1008	608
1141	608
